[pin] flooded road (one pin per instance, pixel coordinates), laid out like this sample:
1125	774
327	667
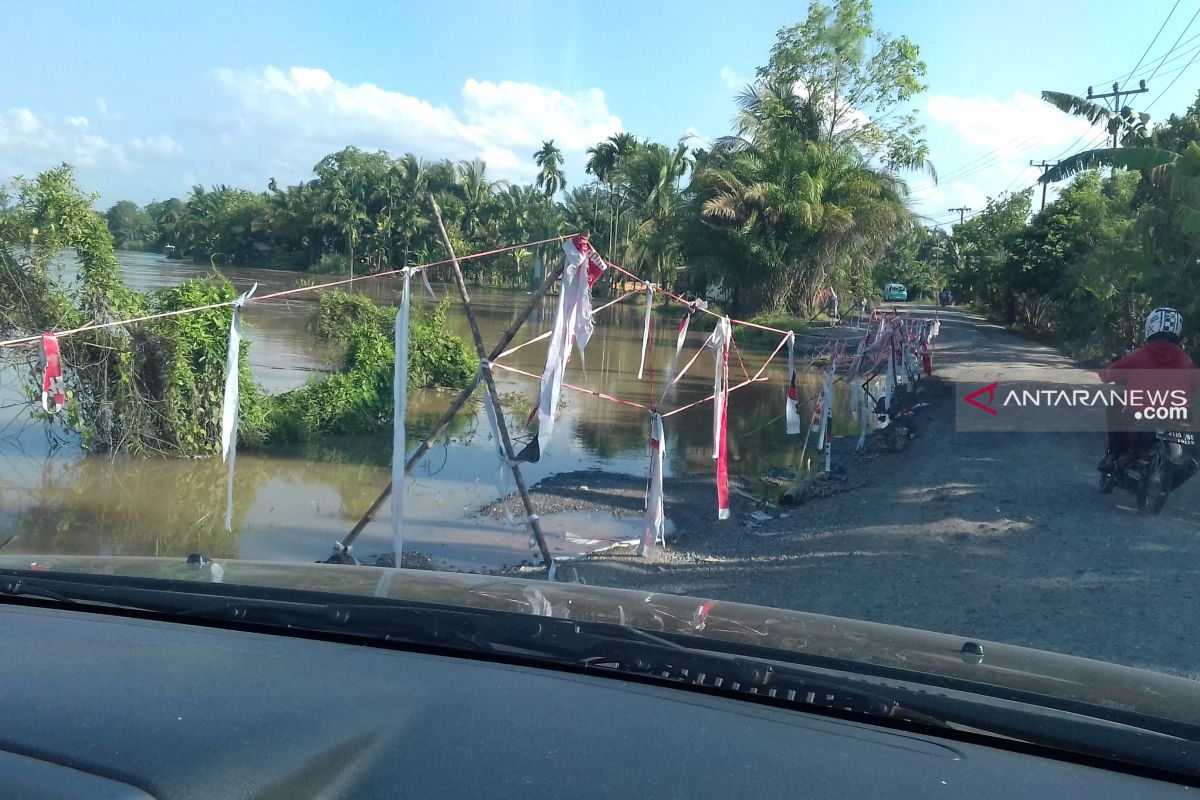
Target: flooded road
295	505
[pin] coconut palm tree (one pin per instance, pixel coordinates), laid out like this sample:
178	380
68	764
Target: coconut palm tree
549	159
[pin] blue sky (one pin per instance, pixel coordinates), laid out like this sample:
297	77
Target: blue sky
147	98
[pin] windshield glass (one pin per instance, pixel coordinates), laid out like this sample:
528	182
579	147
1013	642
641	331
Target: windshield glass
802	309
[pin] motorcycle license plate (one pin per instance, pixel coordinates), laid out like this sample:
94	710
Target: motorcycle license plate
1180	437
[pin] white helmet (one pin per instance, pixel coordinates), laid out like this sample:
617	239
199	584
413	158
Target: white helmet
1164	321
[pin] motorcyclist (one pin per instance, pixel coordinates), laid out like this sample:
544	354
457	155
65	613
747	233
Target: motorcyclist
1159	365
944	297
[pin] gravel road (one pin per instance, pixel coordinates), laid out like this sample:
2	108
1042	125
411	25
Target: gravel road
992	536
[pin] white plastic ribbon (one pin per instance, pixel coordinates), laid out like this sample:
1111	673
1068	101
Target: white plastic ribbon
229	403
399	409
572	325
889	386
646	327
791	413
653	534
680	338
425	280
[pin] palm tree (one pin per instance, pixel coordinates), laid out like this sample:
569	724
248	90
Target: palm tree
549	160
772	108
803	212
651	181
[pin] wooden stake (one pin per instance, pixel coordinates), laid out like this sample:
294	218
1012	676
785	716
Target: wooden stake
460	401
486	370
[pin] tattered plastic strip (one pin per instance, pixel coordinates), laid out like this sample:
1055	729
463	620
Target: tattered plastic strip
399	410
572	325
646	327
653	534
229	403
827	422
926	354
425	280
860	393
889	386
720	341
791	413
53	385
673	373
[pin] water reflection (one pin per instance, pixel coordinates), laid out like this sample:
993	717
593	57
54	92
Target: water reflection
294	505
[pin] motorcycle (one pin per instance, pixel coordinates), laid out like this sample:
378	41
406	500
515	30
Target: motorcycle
944	298
1155	470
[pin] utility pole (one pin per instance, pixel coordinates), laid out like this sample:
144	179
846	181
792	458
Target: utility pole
961	213
1045	167
1115	95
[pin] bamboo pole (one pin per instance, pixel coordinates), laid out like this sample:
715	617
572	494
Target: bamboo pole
486	371
444	423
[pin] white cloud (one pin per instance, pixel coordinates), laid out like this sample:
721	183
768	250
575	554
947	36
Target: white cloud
30	143
285	121
732	80
105	113
161	146
982	146
1010	126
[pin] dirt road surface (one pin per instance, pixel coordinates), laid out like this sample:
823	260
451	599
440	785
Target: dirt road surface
995	536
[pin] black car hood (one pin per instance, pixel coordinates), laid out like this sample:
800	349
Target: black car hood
804	634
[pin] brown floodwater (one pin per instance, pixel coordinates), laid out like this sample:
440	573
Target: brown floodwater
294	506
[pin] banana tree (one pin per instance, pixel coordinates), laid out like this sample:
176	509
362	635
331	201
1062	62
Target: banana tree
1127	127
1177	173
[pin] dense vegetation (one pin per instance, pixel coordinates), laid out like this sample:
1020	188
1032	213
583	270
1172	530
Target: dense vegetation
1085	270
807	192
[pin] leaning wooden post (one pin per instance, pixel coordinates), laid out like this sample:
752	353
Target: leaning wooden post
455	407
485	368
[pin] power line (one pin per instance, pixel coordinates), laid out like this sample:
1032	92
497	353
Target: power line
1172	83
1173	46
1163	60
1152	41
991	161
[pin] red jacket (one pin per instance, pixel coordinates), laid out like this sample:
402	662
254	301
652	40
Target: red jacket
1153	368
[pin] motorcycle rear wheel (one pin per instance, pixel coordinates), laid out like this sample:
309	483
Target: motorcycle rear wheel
1155	485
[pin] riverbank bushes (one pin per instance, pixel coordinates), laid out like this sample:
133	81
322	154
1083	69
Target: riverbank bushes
357	399
157	387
